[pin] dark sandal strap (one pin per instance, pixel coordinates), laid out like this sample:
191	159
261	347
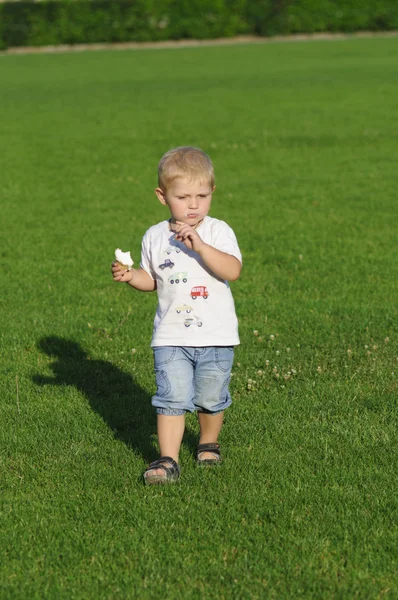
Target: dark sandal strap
214	448
171	469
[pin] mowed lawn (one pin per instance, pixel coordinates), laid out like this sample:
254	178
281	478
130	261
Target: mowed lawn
304	141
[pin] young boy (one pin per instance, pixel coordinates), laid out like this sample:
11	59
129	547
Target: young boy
189	260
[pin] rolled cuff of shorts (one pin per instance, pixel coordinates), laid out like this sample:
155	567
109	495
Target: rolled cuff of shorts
224	405
170	412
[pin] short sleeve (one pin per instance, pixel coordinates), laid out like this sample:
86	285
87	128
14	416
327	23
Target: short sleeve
146	263
224	239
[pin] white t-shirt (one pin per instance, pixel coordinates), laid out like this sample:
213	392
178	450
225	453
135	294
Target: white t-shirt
195	308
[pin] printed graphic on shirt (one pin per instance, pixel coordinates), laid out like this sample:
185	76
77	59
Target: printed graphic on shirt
194	320
199	291
166	263
173	247
184	310
178	276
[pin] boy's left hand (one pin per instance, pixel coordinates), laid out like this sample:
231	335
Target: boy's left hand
187	234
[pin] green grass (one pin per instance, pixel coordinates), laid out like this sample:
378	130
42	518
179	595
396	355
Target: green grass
304	142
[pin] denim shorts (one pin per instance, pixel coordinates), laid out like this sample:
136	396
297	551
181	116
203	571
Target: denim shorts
190	379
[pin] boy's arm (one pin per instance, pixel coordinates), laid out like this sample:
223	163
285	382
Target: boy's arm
140	280
223	265
137	278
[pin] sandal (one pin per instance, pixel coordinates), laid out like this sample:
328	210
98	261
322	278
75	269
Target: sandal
171	471
214	449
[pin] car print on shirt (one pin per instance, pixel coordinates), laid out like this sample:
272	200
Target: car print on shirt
171	249
184	308
193	321
166	263
178	276
199	290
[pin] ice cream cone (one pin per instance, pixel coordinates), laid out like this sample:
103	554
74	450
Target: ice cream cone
123	259
125	267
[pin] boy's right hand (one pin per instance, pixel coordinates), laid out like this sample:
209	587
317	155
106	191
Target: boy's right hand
121	274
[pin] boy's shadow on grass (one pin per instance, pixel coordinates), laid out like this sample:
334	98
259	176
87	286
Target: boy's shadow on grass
113	394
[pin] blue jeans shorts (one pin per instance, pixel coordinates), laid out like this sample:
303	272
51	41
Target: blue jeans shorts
190	379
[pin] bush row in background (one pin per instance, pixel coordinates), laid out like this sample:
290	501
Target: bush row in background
88	21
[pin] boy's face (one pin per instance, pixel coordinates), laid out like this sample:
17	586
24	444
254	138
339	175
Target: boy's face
188	199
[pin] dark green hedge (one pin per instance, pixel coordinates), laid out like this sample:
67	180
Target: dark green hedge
88	21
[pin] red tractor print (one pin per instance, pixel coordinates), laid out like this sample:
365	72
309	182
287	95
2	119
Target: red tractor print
200	290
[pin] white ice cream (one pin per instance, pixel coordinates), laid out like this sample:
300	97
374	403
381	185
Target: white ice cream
124	258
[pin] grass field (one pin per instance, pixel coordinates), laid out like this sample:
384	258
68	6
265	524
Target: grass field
304	142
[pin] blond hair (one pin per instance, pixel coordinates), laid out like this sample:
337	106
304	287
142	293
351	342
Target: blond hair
185	161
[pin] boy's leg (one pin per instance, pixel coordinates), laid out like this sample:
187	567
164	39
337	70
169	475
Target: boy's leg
170	432
210	427
212	396
174	396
